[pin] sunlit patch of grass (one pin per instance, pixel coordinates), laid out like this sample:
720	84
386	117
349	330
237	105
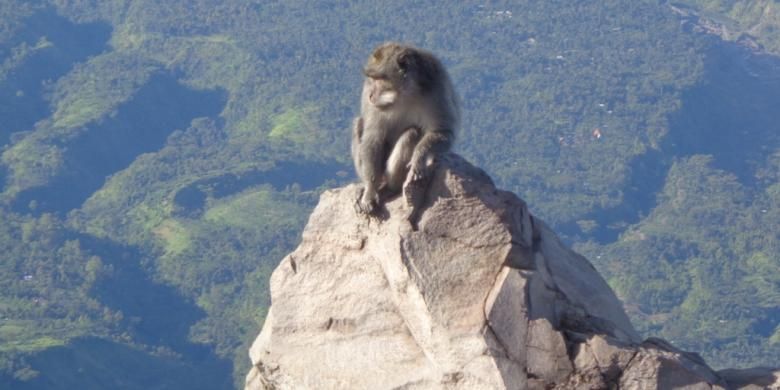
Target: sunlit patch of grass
255	209
20	336
175	236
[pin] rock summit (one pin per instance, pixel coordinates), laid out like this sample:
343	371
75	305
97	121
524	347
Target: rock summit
476	294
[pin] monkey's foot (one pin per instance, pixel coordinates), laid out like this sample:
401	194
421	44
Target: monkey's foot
367	204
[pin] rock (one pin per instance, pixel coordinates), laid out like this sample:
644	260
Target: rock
752	378
474	294
658	365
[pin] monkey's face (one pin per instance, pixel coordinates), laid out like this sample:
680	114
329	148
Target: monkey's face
381	92
386	79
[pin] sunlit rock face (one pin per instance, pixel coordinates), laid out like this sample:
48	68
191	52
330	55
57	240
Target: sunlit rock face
468	292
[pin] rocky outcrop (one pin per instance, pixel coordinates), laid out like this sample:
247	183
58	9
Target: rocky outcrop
478	294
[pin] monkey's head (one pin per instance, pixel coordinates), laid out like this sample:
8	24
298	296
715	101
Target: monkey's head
395	70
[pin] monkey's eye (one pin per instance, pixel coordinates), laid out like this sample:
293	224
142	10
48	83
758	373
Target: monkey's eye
403	62
374	75
406	60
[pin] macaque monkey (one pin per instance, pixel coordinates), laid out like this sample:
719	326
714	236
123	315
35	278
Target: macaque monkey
408	116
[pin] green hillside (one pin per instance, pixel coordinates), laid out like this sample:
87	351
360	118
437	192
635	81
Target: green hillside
742	20
158	159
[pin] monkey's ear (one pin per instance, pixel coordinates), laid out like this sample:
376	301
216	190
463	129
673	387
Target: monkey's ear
406	60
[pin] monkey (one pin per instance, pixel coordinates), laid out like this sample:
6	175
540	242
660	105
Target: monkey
408	116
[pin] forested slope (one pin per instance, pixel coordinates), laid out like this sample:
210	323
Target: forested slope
158	160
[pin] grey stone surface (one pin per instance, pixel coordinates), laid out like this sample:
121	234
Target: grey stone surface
472	293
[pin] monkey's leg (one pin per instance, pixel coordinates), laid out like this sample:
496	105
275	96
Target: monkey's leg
432	144
357	136
400	157
371	155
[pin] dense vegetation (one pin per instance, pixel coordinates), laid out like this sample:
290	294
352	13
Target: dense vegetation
159	158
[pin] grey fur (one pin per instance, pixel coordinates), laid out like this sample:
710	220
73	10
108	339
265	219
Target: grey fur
409	113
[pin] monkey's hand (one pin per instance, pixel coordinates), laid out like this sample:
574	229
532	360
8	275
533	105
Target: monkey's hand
419	170
420	167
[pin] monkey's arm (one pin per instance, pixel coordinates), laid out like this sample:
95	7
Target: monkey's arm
398	163
415	186
357	135
371	161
